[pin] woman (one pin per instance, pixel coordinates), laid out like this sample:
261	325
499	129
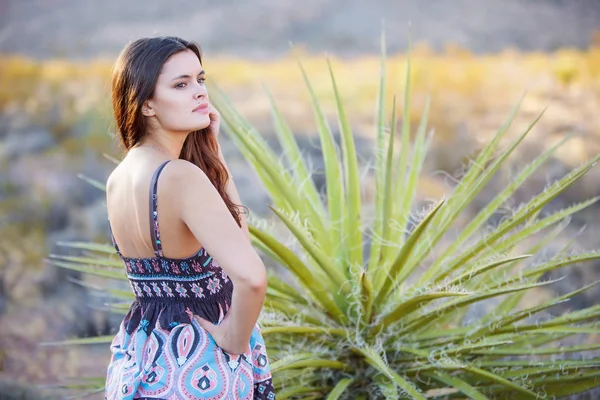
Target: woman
188	334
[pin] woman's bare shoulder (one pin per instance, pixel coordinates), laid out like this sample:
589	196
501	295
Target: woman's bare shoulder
182	173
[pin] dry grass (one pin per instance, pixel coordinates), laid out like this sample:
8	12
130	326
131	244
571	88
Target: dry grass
471	95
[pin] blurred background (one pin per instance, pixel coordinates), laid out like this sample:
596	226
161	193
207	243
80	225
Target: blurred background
474	58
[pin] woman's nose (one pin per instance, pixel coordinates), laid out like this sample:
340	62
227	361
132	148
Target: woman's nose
200	91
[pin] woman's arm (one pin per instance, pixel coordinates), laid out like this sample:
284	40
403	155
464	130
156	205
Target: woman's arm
234	195
214	227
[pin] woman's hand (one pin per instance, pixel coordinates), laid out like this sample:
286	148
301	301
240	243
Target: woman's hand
215	121
214	127
221	335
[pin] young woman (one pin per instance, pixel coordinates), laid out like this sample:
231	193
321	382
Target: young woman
199	286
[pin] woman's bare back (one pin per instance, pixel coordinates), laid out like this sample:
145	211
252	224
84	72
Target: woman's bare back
128	204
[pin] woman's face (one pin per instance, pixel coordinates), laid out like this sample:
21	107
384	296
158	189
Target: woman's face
180	101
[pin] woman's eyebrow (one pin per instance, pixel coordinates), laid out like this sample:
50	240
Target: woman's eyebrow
186	76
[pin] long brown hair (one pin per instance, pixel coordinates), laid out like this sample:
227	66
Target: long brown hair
133	80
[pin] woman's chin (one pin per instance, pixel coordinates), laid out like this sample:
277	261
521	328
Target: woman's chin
200	125
203	121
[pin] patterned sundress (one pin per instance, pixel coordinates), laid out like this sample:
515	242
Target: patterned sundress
161	351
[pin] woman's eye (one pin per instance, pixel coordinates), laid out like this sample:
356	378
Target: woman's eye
201	80
180	85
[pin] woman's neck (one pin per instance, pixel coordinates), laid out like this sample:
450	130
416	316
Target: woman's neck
168	144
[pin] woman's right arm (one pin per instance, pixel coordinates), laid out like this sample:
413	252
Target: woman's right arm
202	209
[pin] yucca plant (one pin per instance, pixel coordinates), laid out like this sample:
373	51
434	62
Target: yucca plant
377	309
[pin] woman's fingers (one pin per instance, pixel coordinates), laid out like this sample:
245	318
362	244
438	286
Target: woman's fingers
207	325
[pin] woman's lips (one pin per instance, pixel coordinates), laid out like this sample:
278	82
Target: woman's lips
202	108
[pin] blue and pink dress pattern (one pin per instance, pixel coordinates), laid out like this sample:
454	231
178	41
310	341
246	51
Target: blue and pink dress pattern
161	351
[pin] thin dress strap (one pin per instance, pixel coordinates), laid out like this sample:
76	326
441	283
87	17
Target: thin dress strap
112	237
154	231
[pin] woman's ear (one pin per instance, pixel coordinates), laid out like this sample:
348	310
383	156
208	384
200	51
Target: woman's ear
147	109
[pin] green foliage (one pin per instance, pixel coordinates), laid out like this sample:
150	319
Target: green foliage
375	309
386	336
